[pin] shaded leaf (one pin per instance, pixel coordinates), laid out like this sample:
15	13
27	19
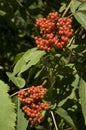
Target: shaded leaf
64	114
2	13
72	95
7	112
82	94
38	74
18	81
50	96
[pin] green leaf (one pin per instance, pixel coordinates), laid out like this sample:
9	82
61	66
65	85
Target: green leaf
79	11
7	112
18	56
30	58
73	46
72	95
82	6
81	17
2	13
1	67
19	2
82	94
64	114
75	4
22	122
38	74
18	81
63	6
51	96
33	60
22	60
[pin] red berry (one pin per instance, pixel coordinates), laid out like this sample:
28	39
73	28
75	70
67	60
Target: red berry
33	104
54	30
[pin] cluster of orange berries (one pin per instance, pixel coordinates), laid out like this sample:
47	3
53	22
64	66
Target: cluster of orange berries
33	105
55	31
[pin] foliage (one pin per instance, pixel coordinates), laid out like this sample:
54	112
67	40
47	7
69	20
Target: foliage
61	71
7	112
82	91
64	115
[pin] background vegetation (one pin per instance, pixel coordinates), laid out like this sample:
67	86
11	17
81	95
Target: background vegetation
23	65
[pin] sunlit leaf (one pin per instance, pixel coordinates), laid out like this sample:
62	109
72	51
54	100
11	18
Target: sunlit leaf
18	56
75	4
22	122
30	58
18	81
34	59
7	109
22	61
82	6
81	17
62	7
73	46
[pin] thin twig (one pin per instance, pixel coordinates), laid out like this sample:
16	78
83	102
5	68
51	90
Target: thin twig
17	92
67	8
44	82
54	121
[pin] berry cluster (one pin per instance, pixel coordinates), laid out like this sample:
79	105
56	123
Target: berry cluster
33	105
55	31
